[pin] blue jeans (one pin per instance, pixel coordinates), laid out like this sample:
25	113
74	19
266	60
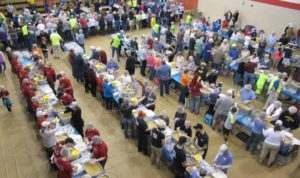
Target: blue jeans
249	78
128	127
237	78
117	25
195	103
117	51
253	141
162	84
151	73
218	67
183	91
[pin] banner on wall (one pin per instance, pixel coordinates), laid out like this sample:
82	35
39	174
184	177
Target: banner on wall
291	4
189	4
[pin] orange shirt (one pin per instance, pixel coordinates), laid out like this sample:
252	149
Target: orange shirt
185	80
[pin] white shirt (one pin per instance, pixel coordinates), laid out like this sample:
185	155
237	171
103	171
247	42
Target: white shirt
41	27
276	113
272	137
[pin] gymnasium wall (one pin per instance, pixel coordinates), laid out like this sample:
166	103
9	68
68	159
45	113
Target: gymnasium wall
266	16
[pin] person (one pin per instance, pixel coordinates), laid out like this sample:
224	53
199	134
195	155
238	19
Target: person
47	132
199	50
163	73
2	64
207	55
249	72
130	63
247	94
265	63
148	100
278	57
186	128
65	98
179	117
4	95
290	118
212	77
108	94
179	41
65	168
55	39
184	87
262	79
201	139
256	132
65	83
99	151
51	76
223	159
76	120
273	138
127	118
78	67
157	142
142	131
218	60
195	94
41	116
201	173
222	107
164	116
80	38
180	162
274	110
274	89
115	44
229	123
150	65
90	132
224	46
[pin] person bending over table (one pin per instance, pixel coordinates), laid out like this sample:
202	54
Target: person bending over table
99	151
186	128
274	110
201	139
164	116
180	162
247	94
179	117
90	132
65	83
76	119
290	118
65	98
149	98
65	168
223	159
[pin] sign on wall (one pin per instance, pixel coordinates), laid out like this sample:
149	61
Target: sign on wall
291	4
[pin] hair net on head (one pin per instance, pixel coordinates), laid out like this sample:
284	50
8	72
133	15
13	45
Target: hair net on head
90	126
278	122
293	110
223	147
96	139
64	152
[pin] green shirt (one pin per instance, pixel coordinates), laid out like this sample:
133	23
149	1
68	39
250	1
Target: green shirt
55	39
25	30
188	20
156	28
73	23
173	29
199	46
2	16
116	42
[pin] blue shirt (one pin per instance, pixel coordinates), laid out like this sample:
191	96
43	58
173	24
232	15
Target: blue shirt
163	72
234	53
247	95
207	50
107	90
224	159
258	126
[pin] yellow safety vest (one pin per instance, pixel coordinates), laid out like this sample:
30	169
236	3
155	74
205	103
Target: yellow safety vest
116	42
25	30
134	3
278	90
156	28
137	17
188	20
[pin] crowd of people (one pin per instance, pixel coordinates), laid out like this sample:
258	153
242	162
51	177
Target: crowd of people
241	50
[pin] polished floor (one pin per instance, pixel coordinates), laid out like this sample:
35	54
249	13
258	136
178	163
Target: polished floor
22	155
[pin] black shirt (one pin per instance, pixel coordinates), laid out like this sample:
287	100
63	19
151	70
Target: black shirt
124	17
180	123
289	121
188	131
157	137
202	139
178	159
116	17
142	127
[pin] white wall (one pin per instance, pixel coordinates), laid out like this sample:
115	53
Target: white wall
269	17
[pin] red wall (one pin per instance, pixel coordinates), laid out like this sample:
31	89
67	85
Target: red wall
189	4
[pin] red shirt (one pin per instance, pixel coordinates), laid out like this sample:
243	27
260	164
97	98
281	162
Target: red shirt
99	150
4	94
27	91
195	88
103	57
40	121
66	83
65	169
150	43
90	134
83	22
66	99
15	64
250	67
35	106
225	24
99	84
50	74
56	149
